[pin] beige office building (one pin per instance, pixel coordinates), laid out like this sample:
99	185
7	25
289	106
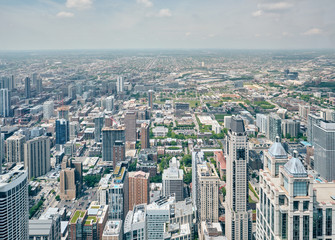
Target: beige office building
208	193
15	148
37	156
70	179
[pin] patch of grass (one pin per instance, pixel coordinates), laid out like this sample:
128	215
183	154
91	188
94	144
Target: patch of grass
253	191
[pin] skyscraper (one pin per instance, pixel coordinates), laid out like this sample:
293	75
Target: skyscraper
311	121
113	191
119	84
197	158
7	82
151	99
290	128
261	122
34	77
284	185
173	180
15	148
145	133
39	85
109	137
71	179
48	109
14	204
130	124
27	90
238	215
98	125
62	131
72	91
37	156
4	103
73	129
138	188
274	127
208	193
110	103
119	152
324	149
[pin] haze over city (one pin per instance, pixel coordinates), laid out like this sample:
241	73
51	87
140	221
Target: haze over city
116	24
167	120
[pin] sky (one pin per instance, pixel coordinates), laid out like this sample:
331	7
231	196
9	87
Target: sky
170	24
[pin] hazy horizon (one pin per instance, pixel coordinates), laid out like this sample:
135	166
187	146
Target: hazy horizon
155	24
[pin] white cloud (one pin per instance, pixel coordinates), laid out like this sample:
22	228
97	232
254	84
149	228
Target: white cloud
146	3
165	12
187	34
257	13
65	14
277	6
79	4
313	31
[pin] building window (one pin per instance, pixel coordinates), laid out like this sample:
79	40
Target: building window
328	221
296	205
306	227
299	189
283	223
317	223
305	205
286	184
296	223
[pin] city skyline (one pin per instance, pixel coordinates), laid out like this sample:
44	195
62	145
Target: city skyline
148	24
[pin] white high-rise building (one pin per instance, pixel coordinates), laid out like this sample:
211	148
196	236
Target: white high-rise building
73	129
324	149
304	110
293	205
48	109
119	84
4	102
110	103
173	180
261	122
238	214
15	148
227	121
208	193
273	127
37	156
311	121
14	204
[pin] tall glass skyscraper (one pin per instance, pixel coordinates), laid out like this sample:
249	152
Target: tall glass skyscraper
324	149
62	131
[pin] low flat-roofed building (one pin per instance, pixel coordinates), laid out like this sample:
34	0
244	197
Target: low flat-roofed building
45	229
113	231
211	231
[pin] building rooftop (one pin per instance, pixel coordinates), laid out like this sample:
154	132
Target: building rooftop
77	215
139	174
237	125
137	216
10	176
295	168
40	227
112	228
325	192
277	150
